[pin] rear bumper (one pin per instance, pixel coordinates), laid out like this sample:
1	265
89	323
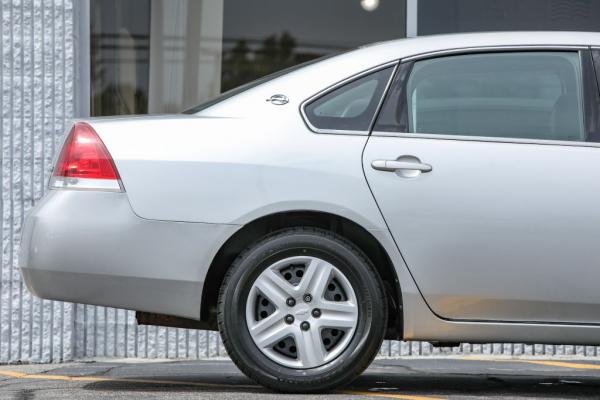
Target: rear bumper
89	247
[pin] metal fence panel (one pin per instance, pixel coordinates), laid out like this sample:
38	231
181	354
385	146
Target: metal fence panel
36	101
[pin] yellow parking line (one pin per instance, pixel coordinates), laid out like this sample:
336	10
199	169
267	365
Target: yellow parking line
562	364
21	375
388	395
550	363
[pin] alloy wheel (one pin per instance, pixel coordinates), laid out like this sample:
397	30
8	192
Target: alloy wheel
301	312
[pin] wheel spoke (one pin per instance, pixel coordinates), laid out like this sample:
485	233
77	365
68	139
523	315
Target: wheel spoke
270	330
311	352
315	279
338	314
274	288
300	312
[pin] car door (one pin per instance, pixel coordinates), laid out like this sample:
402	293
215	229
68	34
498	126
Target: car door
486	170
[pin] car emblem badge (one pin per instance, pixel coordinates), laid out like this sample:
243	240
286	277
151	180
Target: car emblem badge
302	313
278	99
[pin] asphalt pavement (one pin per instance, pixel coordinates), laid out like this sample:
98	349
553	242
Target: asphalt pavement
410	379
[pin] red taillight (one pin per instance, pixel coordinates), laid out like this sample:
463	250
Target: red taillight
84	162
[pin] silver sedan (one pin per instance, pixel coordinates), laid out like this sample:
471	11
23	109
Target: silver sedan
444	188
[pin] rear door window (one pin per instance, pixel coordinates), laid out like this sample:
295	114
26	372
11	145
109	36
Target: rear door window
525	95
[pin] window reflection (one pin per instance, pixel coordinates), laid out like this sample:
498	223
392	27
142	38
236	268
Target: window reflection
157	56
263	36
119	56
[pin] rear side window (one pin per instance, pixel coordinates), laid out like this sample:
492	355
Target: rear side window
527	95
350	107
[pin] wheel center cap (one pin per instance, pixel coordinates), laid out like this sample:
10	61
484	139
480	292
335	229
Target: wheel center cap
302	312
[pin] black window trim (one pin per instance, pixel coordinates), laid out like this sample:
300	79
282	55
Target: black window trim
341	83
591	98
400	80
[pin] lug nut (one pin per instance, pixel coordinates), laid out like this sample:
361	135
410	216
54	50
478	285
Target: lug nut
290	302
307	298
289	319
316	313
305	326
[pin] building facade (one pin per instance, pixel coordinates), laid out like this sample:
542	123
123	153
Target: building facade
63	59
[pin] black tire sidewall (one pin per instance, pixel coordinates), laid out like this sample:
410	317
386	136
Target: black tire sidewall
367	287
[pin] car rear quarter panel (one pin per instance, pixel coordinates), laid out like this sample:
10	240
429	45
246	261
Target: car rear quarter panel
233	170
246	158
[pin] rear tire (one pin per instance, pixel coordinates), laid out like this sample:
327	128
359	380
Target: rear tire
292	343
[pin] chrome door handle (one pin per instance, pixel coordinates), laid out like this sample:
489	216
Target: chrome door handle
395	165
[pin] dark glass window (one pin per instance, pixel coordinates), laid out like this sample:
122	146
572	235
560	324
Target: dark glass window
263	36
157	56
119	56
350	107
448	16
525	95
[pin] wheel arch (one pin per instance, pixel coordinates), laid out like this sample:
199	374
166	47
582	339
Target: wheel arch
345	227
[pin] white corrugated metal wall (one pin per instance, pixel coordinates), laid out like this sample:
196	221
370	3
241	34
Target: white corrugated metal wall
37	99
40	55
